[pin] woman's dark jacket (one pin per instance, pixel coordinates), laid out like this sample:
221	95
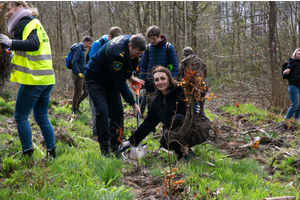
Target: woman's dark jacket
161	110
32	43
294	75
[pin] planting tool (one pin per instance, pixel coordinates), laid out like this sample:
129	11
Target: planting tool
140	150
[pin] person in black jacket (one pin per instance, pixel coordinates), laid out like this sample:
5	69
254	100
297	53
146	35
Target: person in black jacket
105	76
167	107
292	73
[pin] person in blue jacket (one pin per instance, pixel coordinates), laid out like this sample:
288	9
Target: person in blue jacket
114	31
105	76
78	62
158	52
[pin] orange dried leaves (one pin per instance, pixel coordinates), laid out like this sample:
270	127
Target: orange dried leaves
170	186
193	86
254	145
120	132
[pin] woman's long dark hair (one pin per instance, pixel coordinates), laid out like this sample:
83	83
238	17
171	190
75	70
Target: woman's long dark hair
5	68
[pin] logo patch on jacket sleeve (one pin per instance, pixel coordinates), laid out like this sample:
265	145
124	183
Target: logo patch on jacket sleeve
117	65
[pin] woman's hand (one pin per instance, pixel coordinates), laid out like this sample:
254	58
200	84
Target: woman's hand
287	71
125	145
136	110
5	40
133	80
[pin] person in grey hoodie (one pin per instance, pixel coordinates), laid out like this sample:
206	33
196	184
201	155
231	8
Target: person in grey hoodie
78	62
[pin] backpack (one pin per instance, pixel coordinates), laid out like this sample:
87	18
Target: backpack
167	47
68	59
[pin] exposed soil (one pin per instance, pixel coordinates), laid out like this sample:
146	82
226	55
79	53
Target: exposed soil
234	139
233	142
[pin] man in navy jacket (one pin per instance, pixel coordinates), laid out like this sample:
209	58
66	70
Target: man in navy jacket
78	70
114	31
105	76
159	52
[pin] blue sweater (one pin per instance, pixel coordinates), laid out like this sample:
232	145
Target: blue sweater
97	45
157	55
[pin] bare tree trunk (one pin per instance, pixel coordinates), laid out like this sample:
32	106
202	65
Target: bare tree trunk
233	37
90	18
272	47
111	20
175	32
252	33
298	20
61	49
194	26
185	24
74	20
216	30
138	17
159	13
146	16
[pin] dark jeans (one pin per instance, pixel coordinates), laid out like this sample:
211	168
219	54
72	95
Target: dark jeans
78	96
108	111
34	97
163	140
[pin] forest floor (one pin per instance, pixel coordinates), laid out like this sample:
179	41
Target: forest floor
273	147
235	135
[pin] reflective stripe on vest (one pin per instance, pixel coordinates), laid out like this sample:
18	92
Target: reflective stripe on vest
35	67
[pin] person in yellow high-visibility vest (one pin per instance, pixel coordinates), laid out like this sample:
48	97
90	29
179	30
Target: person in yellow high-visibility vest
32	68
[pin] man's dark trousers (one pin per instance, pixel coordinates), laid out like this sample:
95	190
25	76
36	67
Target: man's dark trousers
108	106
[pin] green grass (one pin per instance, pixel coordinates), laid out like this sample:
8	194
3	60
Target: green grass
256	115
242	179
81	172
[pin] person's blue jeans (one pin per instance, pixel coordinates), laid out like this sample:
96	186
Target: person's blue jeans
294	110
34	97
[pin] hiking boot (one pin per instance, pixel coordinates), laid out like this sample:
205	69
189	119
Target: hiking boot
51	153
27	153
104	147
